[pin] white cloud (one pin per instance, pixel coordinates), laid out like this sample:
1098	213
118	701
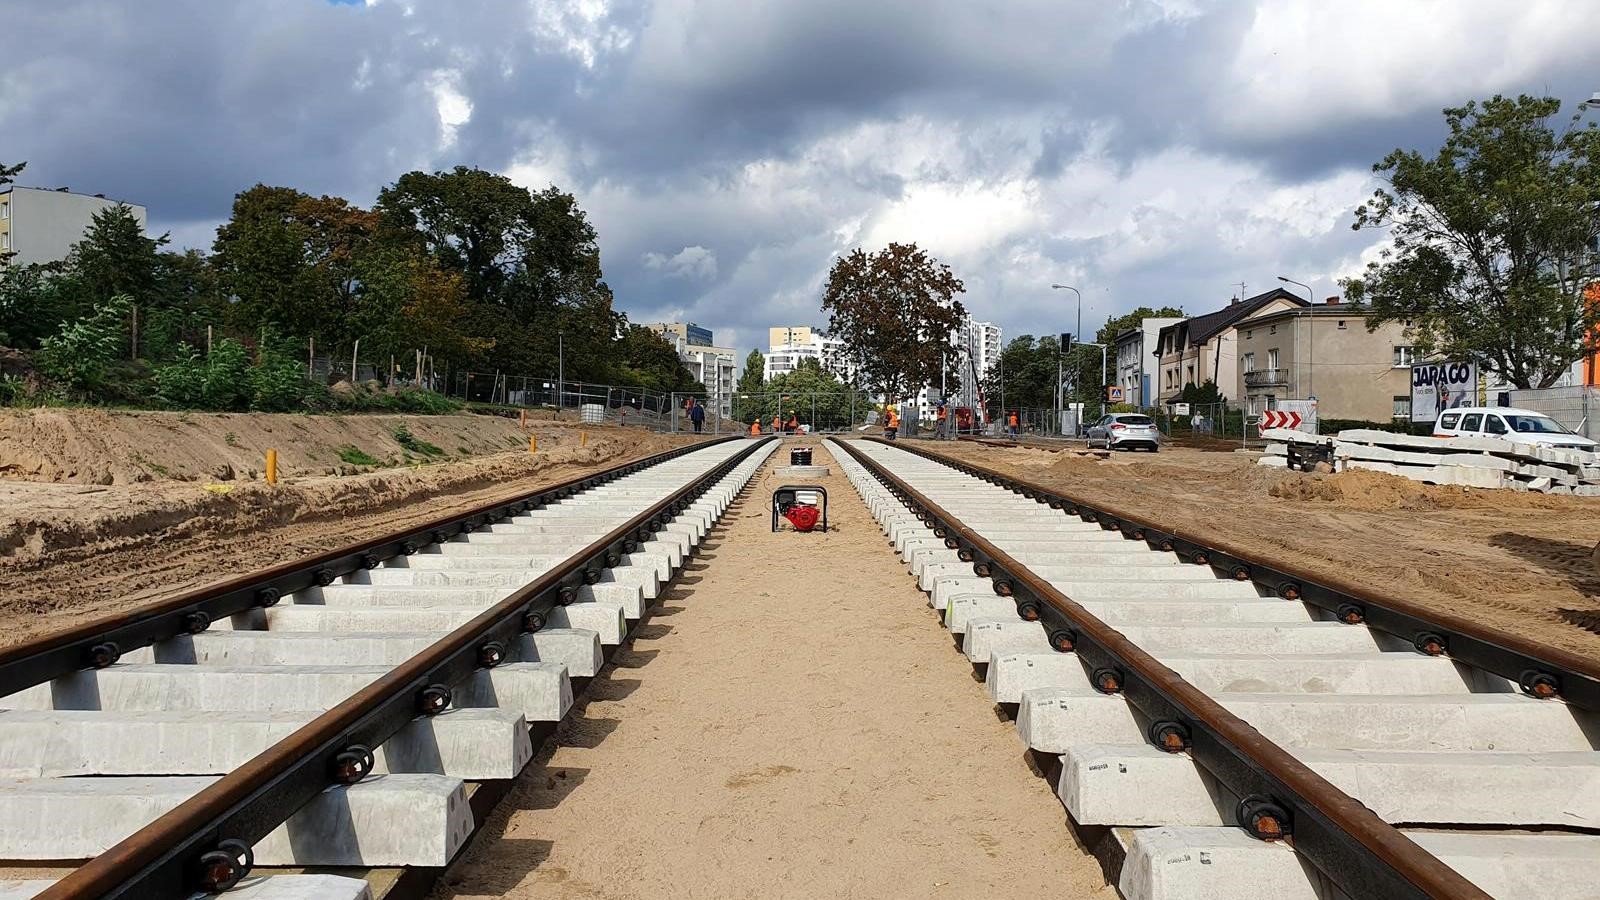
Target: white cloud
694	262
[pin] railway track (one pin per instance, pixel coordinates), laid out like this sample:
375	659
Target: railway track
1230	727
357	713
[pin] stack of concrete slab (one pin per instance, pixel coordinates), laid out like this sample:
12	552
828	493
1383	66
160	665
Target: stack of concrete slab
90	758
1417	738
1479	462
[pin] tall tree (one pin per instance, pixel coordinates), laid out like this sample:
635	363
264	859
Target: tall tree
260	257
1492	241
115	257
894	310
1025	374
747	395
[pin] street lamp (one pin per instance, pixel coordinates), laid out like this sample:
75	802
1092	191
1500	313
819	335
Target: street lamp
1077	334
1311	343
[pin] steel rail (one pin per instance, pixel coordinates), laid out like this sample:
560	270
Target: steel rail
99	642
1541	671
191	846
1349	843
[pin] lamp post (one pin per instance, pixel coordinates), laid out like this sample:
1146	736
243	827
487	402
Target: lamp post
1077	335
1311	334
561	371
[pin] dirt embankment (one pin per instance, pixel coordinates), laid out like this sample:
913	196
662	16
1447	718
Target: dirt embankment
68	550
1516	562
90	446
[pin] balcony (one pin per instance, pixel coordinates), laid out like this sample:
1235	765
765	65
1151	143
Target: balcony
1266	378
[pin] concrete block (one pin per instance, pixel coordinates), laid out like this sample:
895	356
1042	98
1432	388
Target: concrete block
602	618
386	820
988	635
1012	674
1213	864
1326	673
294	648
157	686
578	649
929	556
1195	589
933	571
1052	719
1140	785
466	743
1197	612
1253	637
541	691
965	607
1402	722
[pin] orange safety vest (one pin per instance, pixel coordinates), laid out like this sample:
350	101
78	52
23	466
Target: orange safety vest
1013	420
755	427
777	423
941	413
894	419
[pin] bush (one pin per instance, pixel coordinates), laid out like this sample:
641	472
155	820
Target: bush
355	456
218	381
81	353
404	437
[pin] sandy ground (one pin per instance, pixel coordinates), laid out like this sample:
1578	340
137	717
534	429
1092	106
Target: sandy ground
793	723
69	550
1517	562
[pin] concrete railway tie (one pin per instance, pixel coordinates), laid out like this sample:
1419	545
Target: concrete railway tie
1499	786
88	759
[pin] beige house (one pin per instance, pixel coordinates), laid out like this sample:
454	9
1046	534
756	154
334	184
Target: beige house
1206	348
1324	351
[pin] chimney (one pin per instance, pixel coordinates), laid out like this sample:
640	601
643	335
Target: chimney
1234	302
1331	301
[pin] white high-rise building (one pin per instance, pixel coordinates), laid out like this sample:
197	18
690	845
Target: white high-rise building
40	226
978	348
710	365
787	345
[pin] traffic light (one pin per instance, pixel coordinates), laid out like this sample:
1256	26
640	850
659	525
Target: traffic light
1066	342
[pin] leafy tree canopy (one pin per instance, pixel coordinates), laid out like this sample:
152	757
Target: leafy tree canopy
894	310
1492	241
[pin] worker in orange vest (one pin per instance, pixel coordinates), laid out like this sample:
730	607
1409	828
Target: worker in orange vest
1012	421
777	424
891	422
942	430
755	428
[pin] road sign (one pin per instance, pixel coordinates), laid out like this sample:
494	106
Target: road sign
1180	409
1273	418
1114	393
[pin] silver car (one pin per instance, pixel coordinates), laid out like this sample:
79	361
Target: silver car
1125	430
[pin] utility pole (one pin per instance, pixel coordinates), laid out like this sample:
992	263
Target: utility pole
561	371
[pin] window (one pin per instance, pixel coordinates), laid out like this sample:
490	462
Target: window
1404	356
1272	329
5	209
1402	406
1248	361
5	240
1536	425
1472	422
1190	370
1341	324
1248	335
1494	424
1272	358
1449	420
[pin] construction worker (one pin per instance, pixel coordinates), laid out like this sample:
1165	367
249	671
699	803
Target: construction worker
891	422
793	424
942	430
755	428
1011	421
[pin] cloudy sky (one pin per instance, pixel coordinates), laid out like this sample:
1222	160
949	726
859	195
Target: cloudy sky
1146	151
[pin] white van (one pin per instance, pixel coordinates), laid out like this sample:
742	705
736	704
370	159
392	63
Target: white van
1521	425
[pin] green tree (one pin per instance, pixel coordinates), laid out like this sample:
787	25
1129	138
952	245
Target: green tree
261	261
80	356
752	385
116	258
1025	375
34	302
1492	241
649	360
894	310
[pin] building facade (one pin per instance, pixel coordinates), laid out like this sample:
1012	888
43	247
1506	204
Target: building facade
40	226
1135	359
1325	351
1205	348
787	345
710	365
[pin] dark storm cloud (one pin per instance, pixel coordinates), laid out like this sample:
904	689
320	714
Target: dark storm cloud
1157	149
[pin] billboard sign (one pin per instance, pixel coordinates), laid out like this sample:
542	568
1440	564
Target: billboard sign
1436	387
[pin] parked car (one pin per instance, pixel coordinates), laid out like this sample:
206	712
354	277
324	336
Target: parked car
1125	430
1524	426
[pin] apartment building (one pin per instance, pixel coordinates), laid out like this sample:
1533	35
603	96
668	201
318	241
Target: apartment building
978	346
1135	359
40	226
787	345
1324	351
1205	348
710	365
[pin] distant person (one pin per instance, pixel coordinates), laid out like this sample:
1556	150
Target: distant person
942	429
891	423
697	415
755	428
1011	423
777	424
793	425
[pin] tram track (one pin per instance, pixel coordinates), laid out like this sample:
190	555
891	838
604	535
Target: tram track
357	711
1230	722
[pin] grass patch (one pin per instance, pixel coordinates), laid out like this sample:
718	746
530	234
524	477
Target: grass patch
355	456
231	439
411	442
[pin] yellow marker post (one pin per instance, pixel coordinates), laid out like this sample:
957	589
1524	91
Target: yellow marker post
272	466
533	443
583	439
522	419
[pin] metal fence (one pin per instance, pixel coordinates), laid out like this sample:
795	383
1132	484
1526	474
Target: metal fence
1574	407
